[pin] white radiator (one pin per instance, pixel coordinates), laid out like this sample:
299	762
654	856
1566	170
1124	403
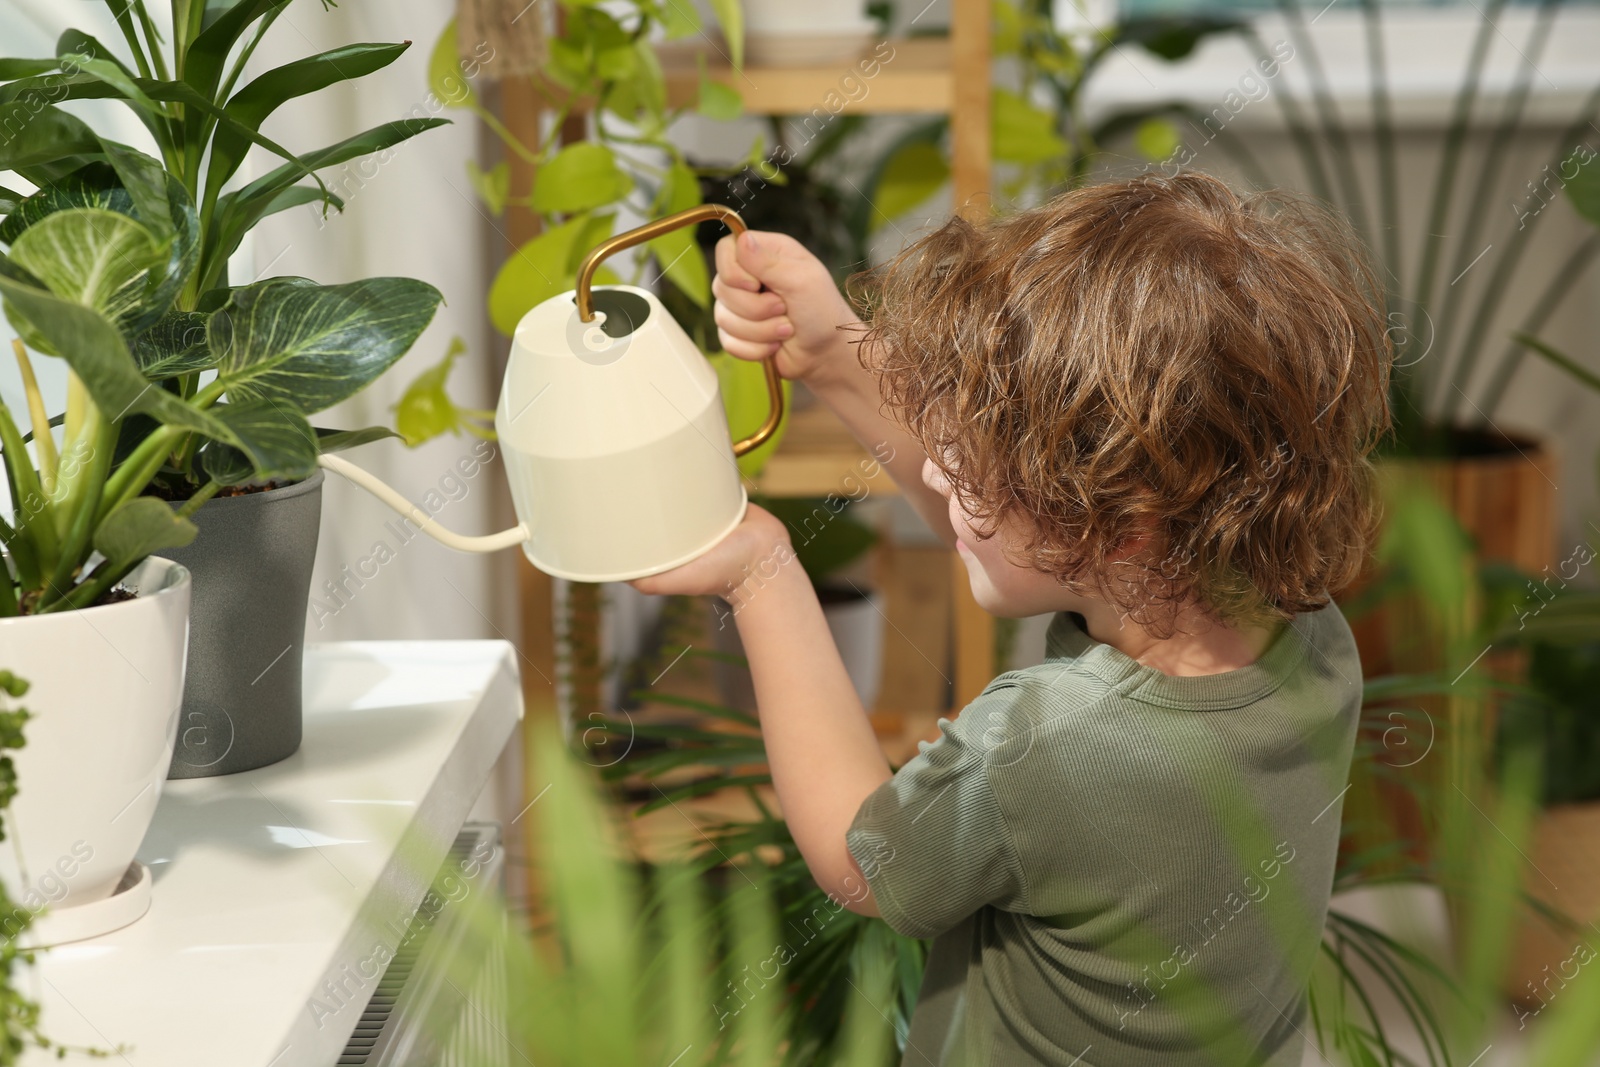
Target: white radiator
442	1000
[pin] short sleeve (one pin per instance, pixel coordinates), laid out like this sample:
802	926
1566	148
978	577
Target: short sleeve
932	841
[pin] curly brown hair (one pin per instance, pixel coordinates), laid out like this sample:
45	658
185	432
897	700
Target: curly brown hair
1177	385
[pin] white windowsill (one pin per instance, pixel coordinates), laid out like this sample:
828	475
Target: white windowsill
1427	52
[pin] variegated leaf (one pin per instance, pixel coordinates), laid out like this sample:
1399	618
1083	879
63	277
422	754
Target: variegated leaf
309	346
274	442
94	348
93	257
175	345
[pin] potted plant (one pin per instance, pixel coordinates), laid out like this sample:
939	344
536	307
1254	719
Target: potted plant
827	540
1556	718
1558	627
279	350
100	624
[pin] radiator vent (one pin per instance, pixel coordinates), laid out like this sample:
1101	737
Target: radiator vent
413	1014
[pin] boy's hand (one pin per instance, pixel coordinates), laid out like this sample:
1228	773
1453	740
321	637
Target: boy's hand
799	314
758	545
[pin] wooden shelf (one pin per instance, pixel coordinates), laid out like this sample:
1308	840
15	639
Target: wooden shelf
818	456
915	77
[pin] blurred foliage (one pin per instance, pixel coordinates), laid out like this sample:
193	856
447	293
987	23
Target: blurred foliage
426	410
627	165
826	538
19	1014
627	965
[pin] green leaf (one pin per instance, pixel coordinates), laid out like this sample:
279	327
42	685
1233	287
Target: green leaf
175	345
616	63
718	100
493	186
340	440
296	195
238	212
274	442
649	87
147	183
679	19
1008	29
580	177
1422	536
12	69
544	267
30	136
308	346
567	65
116	75
1022	132
730	16
10	201
1565	362
680	189
678	252
76	42
426	410
33	139
138	528
95	185
916	171
1175	36
1583	189
58	88
1156	139
445	78
91	256
94	348
196	105
683	264
825	539
204	59
98	186
1570	620
743	384
250	106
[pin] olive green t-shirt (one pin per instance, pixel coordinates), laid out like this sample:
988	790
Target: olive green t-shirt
1121	868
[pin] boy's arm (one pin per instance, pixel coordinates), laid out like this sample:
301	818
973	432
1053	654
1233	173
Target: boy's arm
824	757
801	320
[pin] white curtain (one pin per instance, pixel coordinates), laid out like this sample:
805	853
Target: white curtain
411	215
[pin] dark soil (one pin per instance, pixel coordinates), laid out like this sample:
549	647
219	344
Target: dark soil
1458	442
177	494
839	594
246	490
115	596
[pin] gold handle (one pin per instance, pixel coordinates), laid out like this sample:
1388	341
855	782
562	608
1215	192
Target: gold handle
650	230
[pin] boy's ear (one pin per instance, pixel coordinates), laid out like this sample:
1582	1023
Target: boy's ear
1140	548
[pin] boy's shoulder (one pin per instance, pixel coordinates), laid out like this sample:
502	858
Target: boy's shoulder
1311	672
1019	705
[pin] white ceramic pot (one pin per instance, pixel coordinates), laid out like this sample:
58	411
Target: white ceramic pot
856	621
785	17
105	689
781	33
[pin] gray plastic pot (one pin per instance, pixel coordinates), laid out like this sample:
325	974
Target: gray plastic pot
251	566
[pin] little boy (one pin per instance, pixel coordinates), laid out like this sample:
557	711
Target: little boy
1144	407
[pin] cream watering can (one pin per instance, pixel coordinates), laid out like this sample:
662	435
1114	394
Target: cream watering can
613	432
